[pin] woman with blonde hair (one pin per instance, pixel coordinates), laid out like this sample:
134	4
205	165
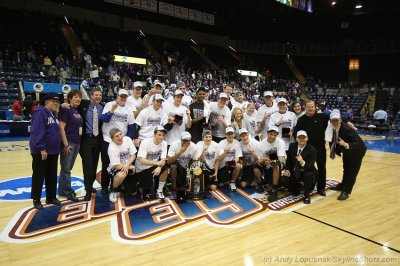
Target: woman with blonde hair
237	121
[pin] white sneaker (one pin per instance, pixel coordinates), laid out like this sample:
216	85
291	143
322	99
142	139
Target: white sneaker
232	186
160	195
113	196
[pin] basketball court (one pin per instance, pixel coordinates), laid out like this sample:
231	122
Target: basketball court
228	228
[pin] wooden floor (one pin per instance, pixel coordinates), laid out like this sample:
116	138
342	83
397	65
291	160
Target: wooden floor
364	228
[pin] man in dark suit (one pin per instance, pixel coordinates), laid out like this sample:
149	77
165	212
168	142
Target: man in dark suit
91	138
348	144
299	167
315	124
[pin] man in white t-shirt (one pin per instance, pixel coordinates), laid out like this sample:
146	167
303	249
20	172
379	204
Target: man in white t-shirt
264	113
116	114
229	156
180	115
285	121
251	172
135	100
208	154
272	155
241	102
180	153
228	91
151	163
186	99
149	119
157	89
220	117
122	154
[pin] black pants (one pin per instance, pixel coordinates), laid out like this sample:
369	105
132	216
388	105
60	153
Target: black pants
90	152
321	165
47	170
105	161
308	178
351	167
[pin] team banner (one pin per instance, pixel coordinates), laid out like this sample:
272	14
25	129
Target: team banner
43	87
195	15
117	2
181	12
149	5
208	18
132	3
166	9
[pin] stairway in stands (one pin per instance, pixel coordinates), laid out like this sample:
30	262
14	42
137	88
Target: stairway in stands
72	39
204	57
296	71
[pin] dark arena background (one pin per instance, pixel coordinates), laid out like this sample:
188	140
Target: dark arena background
344	55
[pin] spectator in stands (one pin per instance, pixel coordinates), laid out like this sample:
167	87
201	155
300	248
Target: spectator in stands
52	74
71	123
88	61
27	106
87	82
17	109
47	63
10	81
44	144
62	76
348	115
380	115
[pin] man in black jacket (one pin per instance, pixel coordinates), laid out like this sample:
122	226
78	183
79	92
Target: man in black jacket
92	138
300	167
315	124
348	144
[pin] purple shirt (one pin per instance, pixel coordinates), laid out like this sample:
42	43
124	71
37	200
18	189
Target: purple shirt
73	121
45	132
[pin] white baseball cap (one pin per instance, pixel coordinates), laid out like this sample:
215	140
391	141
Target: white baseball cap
334	115
157	83
178	92
160	128
223	95
268	93
186	136
273	128
243	130
158	97
282	100
229	129
123	92
301	133
137	84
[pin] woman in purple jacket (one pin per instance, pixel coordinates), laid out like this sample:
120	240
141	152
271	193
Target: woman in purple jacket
45	143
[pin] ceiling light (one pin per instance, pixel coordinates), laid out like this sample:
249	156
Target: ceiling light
333	3
359	5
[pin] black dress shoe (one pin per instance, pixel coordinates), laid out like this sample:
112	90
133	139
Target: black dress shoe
37	204
338	187
307	200
343	196
322	193
273	196
54	201
87	197
72	197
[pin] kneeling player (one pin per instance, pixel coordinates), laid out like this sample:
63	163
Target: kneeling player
229	154
207	153
122	153
151	163
180	153
251	172
272	152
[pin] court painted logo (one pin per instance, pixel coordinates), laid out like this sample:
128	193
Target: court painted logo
20	188
134	221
